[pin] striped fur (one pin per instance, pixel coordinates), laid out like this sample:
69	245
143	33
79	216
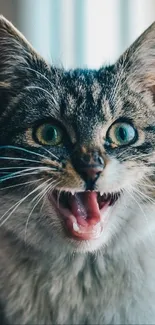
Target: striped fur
45	276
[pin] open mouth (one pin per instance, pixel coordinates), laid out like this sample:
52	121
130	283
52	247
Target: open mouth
84	212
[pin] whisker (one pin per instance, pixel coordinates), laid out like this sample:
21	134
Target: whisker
47	92
20	184
39	167
142	195
17	167
17	204
44	191
51	154
25	172
133	197
21	172
143	183
28	218
40	74
141	155
28	169
23	149
3	179
134	157
123	152
20	159
52	182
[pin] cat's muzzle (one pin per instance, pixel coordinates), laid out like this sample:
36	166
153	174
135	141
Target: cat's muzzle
84	213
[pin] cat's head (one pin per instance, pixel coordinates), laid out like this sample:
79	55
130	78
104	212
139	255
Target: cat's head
81	141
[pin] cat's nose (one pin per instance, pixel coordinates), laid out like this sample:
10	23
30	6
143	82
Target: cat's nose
91	172
90	165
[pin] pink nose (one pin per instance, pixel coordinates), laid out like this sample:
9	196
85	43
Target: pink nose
89	164
92	172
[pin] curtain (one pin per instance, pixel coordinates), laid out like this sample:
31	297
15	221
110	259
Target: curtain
80	33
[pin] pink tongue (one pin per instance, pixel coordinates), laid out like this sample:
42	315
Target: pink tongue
85	208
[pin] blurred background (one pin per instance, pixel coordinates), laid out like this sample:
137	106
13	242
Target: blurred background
80	33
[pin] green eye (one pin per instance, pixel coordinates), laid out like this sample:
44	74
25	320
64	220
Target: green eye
49	135
121	134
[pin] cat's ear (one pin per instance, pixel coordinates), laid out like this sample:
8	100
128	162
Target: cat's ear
137	64
16	53
17	59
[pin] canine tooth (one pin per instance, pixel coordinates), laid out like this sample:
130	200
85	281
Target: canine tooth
75	227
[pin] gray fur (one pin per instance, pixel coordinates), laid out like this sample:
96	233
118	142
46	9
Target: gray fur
45	276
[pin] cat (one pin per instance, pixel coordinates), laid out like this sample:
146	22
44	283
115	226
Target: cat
77	198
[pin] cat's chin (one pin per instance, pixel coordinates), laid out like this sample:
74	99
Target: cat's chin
83	215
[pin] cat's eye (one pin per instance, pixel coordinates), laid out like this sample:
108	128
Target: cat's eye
49	134
121	133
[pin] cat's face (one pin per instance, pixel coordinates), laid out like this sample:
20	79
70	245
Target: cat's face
84	140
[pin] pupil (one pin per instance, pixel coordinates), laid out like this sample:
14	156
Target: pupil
122	133
50	134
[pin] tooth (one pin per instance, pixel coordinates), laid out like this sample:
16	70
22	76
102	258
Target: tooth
105	196
76	227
